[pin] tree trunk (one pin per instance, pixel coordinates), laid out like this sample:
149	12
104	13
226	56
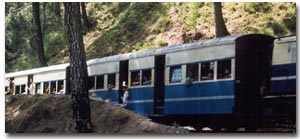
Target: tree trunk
84	16
39	35
44	19
78	69
221	29
57	8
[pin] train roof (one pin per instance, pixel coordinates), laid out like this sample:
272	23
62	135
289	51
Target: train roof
37	70
167	49
285	39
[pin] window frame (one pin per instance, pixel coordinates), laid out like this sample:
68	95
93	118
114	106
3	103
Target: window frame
96	82
231	67
142	75
131	78
171	74
115	80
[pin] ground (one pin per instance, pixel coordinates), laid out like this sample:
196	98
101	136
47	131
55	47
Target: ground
53	114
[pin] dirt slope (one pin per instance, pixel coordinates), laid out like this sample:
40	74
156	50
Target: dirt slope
52	114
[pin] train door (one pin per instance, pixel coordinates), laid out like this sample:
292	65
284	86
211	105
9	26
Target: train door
159	84
29	82
123	77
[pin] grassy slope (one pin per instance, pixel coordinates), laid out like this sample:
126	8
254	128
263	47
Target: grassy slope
53	114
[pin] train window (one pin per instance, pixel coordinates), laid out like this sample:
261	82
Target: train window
46	88
111	81
175	74
17	90
135	78
91	83
60	86
100	82
6	88
146	77
38	88
207	71
192	72
224	69
23	89
53	87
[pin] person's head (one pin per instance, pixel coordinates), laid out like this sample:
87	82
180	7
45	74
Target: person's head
227	71
204	65
30	80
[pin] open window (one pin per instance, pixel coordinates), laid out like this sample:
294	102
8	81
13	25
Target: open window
60	87
207	71
17	89
111	81
192	72
135	78
46	88
100	82
38	88
91	83
175	74
53	87
224	69
23	89
146	79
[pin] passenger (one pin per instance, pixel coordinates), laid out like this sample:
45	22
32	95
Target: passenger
136	80
189	79
209	75
146	80
62	90
53	91
110	85
47	90
125	96
31	87
11	88
227	73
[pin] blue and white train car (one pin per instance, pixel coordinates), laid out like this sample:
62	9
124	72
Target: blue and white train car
205	95
284	66
104	78
46	80
280	102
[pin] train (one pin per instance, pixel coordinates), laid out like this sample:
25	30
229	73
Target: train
239	80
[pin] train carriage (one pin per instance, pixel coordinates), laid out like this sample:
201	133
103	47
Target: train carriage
46	80
223	78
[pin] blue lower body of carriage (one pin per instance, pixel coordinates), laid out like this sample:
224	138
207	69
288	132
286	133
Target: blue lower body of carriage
141	100
111	95
200	98
284	78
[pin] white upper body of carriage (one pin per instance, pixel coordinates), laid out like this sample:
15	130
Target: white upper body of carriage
210	50
285	51
40	75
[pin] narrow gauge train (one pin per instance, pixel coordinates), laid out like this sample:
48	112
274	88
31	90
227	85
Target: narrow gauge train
224	80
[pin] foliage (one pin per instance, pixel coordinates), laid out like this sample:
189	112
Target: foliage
254	7
122	27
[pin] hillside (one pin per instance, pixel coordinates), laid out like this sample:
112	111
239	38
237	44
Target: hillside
53	114
128	27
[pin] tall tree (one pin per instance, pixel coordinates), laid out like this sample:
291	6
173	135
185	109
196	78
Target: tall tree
78	69
39	35
221	29
57	8
84	16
